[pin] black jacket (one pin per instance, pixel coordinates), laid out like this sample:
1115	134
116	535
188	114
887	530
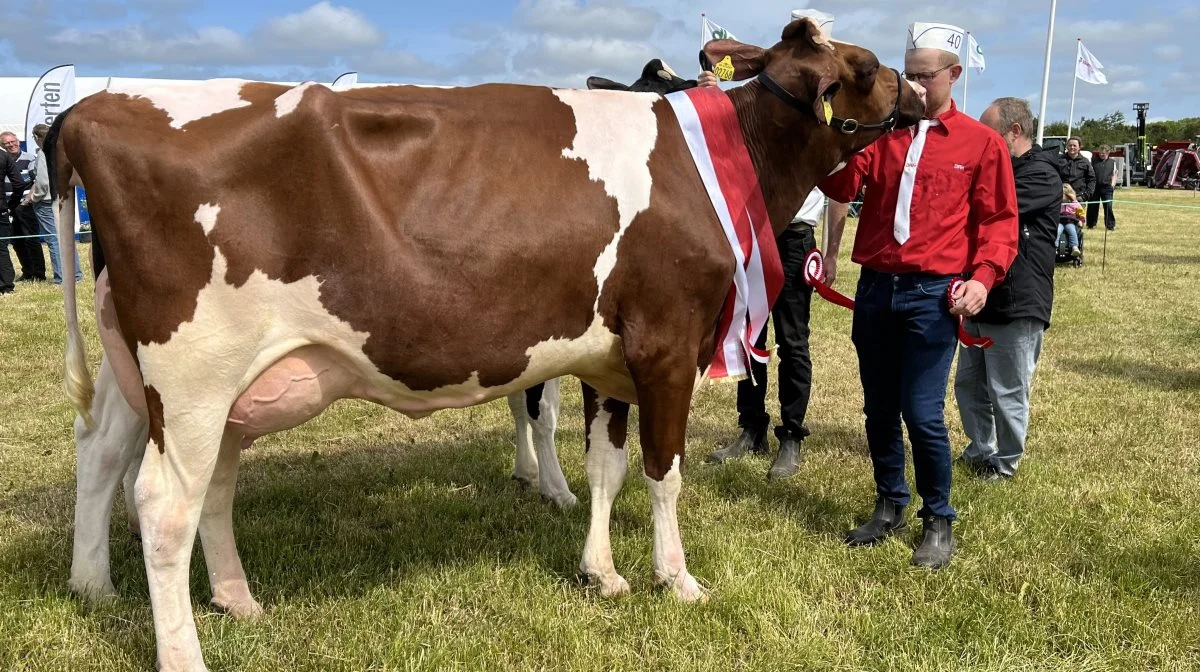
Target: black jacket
1078	173
10	169
1028	288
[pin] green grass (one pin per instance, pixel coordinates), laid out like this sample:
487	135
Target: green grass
380	543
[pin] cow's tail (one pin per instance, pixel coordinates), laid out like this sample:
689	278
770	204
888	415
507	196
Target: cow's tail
78	379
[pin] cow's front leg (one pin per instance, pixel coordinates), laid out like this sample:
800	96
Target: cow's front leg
664	398
606	422
230	591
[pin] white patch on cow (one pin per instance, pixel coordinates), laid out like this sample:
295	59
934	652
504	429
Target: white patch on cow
615	131
206	216
837	168
185	102
289	100
669	565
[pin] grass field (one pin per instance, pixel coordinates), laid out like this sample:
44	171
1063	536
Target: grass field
380	543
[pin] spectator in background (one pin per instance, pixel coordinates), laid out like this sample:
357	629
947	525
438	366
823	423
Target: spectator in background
1105	169
39	200
1077	171
993	386
8	168
1070	218
24	222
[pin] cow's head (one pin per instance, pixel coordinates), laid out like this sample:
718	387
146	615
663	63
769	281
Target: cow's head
657	77
822	82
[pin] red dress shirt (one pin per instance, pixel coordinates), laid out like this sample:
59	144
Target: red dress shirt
964	202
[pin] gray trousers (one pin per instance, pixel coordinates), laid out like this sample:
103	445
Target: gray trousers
992	388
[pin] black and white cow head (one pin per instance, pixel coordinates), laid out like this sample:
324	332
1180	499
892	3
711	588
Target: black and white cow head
657	77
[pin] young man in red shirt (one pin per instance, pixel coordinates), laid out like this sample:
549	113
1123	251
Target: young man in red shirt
940	204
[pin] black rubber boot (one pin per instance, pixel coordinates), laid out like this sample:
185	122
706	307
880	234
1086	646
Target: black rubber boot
787	463
937	546
887	520
750	441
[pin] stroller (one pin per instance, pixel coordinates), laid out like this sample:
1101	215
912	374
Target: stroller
1062	254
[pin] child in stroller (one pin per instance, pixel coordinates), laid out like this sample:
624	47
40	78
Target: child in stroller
1070	229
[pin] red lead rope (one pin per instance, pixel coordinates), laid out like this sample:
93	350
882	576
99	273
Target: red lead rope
814	275
963	337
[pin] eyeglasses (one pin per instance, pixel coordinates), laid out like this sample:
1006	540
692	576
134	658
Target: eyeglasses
924	76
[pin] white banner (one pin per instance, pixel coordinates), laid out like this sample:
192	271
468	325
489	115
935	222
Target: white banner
1088	67
52	94
346	81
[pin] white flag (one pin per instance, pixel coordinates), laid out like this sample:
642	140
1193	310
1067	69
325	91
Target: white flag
345	81
1088	67
52	94
975	53
710	31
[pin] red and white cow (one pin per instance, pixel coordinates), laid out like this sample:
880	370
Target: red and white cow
109	451
244	301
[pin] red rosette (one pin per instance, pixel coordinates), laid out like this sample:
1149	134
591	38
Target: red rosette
814	274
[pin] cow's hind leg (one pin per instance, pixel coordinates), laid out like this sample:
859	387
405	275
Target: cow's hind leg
607	420
535	413
177	467
664	397
103	454
551	482
525	467
230	591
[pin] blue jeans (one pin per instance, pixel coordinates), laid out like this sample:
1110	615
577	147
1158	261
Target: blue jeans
45	215
905	337
1072	234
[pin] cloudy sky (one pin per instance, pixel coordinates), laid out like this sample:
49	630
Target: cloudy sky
1142	44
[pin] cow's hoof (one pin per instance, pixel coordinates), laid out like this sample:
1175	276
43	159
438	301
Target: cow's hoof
526	482
686	589
563	500
611	585
93	590
242	609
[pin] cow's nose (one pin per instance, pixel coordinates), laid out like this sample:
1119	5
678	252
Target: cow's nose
920	90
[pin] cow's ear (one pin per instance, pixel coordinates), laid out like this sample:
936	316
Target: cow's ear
732	60
603	83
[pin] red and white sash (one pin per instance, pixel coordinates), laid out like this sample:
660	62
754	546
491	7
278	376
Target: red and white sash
710	126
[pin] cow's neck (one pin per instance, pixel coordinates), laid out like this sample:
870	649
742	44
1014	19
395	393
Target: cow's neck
788	164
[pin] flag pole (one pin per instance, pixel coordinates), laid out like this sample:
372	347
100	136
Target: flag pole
1046	74
967	74
1074	85
703	32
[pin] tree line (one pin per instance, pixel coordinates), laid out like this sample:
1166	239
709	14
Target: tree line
1115	129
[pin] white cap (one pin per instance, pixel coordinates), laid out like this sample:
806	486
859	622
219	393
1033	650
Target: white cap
824	21
935	36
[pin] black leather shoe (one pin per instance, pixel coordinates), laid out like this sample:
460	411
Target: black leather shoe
750	441
937	546
887	520
787	463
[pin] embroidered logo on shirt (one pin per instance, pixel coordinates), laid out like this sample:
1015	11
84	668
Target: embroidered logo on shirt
959	166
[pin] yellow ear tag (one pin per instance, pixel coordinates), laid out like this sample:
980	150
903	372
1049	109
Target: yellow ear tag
828	113
724	68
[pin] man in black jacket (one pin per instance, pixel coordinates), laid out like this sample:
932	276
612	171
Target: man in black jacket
992	386
1076	170
8	169
1105	168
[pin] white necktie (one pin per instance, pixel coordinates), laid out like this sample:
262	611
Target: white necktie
900	225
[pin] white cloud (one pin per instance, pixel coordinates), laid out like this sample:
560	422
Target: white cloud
322	27
613	18
1169	52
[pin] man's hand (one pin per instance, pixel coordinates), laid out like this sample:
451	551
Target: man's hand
706	79
830	270
969	298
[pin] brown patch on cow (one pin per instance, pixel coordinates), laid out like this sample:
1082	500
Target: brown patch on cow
154	407
618	421
590	406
